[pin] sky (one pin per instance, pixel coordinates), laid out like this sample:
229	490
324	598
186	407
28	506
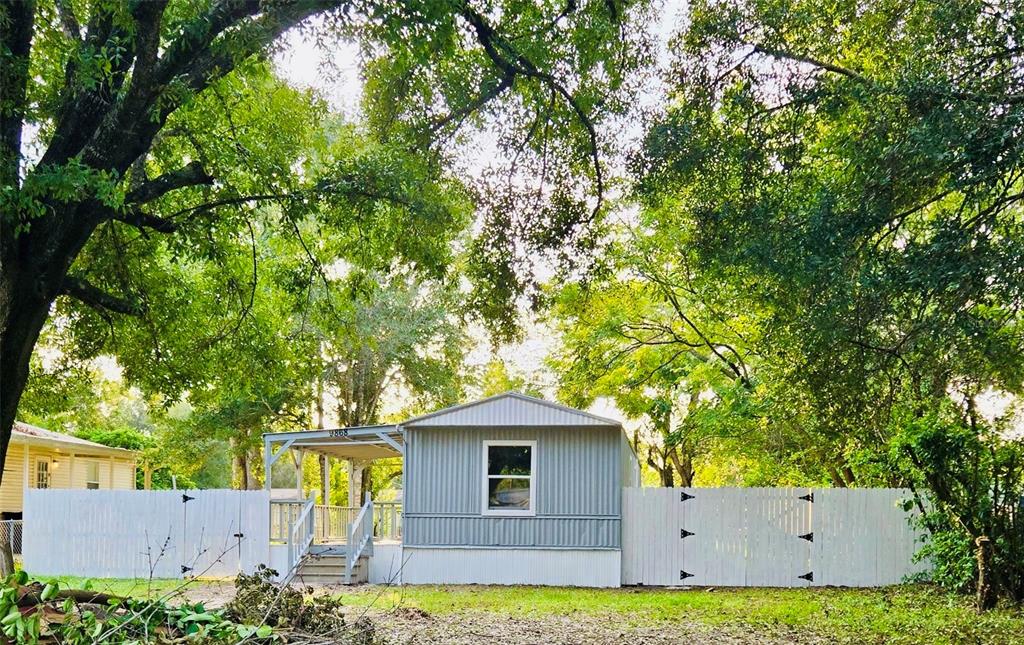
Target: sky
334	72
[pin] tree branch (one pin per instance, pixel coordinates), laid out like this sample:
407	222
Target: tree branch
971	97
145	220
91	295
830	67
191	175
516	64
481	100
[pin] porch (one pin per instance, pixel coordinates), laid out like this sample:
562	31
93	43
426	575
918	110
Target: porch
330	543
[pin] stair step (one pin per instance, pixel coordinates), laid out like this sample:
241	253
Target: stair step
330	569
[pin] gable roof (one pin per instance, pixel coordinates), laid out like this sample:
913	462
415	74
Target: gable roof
509	409
34	435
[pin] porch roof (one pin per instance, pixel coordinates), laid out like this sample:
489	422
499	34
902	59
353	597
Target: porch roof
361	442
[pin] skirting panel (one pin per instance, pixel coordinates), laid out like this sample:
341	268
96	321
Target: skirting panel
386	564
554	567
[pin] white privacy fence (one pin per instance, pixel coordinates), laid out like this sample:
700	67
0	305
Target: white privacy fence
766	537
141	534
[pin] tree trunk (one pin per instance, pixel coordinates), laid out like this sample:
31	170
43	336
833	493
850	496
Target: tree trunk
33	267
987	594
6	549
684	466
366	485
250	477
237	466
21	319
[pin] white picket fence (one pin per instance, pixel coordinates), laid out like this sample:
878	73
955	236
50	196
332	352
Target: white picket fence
766	537
142	534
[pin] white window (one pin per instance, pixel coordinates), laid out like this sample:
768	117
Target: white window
92	475
43	473
509	469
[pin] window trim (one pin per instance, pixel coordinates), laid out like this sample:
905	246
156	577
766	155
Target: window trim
88	463
491	512
49	473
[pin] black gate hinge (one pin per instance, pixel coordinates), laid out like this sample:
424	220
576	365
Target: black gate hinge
683	496
185	569
808	497
683	533
239	535
186	499
807	536
683	575
809	576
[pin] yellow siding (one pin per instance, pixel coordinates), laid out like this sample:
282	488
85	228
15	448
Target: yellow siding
124	474
10	489
66	471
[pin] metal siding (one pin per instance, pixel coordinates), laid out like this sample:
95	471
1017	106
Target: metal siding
509	411
577	568
385	565
578	488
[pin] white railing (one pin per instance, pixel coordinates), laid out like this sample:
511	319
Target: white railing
360	538
283	514
387	521
333	522
300	537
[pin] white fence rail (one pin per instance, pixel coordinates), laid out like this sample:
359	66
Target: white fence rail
766	537
140	534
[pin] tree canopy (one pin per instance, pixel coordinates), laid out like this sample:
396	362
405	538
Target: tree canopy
144	145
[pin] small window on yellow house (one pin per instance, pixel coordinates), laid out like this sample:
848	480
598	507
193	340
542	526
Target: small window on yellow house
92	475
43	473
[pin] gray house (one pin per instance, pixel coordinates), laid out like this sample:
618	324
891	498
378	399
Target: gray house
507	490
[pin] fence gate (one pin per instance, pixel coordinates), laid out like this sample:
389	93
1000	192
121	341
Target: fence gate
142	534
765	537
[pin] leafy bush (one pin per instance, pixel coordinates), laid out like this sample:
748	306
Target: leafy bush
261	613
970	481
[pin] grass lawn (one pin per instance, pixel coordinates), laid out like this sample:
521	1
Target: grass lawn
137	587
901	614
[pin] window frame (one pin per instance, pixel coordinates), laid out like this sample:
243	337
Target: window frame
88	464
43	461
486	510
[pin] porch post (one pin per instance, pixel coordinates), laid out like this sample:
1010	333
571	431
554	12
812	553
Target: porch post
298	456
351	482
325	470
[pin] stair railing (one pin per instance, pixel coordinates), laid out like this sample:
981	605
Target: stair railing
300	536
360	538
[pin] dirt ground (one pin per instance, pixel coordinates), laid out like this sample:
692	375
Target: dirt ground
405	626
412	626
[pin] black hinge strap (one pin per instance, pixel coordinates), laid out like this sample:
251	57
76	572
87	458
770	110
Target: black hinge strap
683	575
807	536
808	498
683	496
186	499
809	576
683	533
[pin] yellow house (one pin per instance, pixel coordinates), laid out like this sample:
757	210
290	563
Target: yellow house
38	458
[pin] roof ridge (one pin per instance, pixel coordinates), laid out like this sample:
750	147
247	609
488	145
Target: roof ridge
512	394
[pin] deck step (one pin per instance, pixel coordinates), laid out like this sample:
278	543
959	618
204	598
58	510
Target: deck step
330	569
